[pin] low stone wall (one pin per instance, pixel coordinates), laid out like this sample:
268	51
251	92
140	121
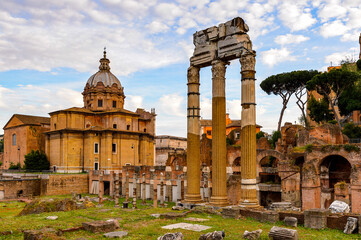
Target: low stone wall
339	221
14	188
299	215
60	184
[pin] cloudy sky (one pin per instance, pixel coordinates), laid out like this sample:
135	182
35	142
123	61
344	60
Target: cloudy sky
49	49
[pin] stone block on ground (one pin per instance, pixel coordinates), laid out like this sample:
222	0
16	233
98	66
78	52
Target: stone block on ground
178	208
351	225
290	221
45	233
171	236
173	215
52	217
254	235
231	212
155	215
269	216
187	226
316	218
196	219
118	234
100	226
216	235
278	233
281	206
339	207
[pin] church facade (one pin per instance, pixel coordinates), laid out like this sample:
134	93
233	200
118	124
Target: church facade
102	135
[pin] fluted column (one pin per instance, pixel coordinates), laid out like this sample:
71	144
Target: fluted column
219	148
193	139
248	134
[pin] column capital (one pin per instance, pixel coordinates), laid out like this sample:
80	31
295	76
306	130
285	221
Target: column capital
248	62
193	75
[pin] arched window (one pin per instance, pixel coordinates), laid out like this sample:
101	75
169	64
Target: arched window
14	139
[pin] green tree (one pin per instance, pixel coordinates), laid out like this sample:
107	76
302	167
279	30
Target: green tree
2	145
331	85
14	166
351	130
358	64
319	111
274	138
350	99
36	160
285	85
260	134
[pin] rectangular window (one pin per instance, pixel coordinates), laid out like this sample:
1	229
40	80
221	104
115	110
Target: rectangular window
14	139
128	127
209	132
96	166
114	104
100	103
238	135
115	126
114	148
96	148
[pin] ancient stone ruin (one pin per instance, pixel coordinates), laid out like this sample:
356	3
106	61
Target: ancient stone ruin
216	46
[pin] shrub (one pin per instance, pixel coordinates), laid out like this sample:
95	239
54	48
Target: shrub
259	135
358	64
14	166
309	147
36	160
350	148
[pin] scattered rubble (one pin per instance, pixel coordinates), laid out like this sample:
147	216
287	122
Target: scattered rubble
254	235
351	225
171	236
187	226
216	235
339	207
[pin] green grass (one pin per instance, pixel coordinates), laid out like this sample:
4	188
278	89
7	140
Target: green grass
139	224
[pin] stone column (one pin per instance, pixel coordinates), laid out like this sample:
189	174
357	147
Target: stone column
248	134
134	191
143	189
219	148
101	187
168	184
161	190
127	187
116	195
151	182
193	194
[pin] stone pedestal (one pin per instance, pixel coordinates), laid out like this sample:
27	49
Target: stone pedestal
193	139
248	134
316	218
219	148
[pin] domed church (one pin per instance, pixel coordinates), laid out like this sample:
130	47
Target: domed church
102	135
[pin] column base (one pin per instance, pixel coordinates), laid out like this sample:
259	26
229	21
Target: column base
193	198
249	204
219	201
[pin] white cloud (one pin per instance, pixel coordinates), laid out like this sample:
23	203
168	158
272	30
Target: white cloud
274	56
335	28
172	104
133	102
334	9
157	27
337	57
290	38
295	15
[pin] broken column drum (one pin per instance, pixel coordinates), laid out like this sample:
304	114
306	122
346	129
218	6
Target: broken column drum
216	46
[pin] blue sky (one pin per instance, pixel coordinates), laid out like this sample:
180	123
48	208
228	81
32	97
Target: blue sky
49	49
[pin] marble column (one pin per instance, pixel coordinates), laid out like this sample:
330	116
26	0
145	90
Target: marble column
219	148
193	194
248	134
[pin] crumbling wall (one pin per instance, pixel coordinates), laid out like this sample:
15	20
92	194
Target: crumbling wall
60	184
14	188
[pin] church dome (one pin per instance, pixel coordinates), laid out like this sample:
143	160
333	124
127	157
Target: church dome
103	90
104	75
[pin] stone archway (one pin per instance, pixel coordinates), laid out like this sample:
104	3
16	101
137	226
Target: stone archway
335	172
265	153
269	180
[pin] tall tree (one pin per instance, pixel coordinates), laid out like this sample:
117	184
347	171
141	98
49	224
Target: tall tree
1	145
319	111
331	85
285	85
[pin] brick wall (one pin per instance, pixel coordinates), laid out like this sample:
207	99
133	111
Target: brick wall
60	184
14	188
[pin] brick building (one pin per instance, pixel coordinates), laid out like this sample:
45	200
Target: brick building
102	135
23	133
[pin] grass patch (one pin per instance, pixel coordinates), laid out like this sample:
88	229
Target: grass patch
139	224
